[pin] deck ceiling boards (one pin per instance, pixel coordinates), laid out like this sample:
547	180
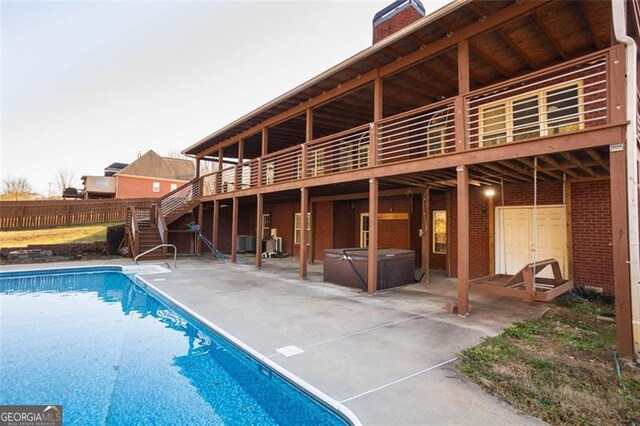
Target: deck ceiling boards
253	146
286	134
525	34
571	29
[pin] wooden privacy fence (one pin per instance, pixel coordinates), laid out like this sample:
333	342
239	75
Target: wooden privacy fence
42	214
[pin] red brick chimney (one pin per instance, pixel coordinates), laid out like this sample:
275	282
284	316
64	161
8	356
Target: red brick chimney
395	17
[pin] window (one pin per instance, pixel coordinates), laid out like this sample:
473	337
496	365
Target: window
173	187
440	231
317	162
266	225
156	187
364	230
102	182
547	112
298	226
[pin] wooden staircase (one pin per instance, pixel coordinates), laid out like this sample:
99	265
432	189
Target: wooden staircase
180	211
149	237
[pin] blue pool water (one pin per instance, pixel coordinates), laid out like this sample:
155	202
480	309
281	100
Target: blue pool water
111	353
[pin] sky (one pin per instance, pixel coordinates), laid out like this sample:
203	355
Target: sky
86	84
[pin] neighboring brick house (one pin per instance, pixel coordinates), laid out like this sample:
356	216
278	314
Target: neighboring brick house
485	136
152	175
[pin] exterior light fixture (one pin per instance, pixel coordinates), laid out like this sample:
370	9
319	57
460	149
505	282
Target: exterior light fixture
489	192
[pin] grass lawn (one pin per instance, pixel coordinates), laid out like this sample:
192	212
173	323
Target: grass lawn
70	234
559	368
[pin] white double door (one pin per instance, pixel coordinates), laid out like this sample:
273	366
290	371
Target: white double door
515	237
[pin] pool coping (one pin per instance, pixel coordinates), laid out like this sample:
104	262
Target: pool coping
337	407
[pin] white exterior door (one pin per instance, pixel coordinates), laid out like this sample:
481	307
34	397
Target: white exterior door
514	238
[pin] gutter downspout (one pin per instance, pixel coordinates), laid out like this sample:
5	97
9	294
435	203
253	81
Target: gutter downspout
620	33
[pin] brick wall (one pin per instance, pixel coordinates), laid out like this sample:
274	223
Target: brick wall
592	233
395	23
322	218
142	187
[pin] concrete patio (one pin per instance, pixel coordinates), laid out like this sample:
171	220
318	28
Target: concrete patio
390	358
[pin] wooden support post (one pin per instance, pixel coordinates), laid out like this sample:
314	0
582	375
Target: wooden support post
240	151
463	67
447	200
378	92
234	231
615	85
309	125
265	141
620	245
220	159
312	244
197	168
304	208
463	239
259	209
216	223
492	236
426	234
198	240
372	267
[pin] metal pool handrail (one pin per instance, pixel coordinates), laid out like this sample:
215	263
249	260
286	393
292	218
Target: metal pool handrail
175	253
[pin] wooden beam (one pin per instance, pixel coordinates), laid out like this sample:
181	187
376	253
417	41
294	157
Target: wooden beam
552	161
590	23
529	163
426	233
463	240
517	49
499	168
490	61
304	208
620	245
365	195
234	231
579	164
259	236
597	158
547	32
372	265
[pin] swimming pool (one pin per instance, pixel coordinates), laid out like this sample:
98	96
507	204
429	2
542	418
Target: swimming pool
115	352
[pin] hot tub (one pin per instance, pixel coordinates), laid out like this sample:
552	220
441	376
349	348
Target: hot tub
348	267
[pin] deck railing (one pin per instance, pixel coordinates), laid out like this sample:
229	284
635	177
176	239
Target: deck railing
420	133
571	98
565	98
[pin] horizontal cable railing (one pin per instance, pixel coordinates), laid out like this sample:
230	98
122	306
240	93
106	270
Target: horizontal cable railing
341	152
417	134
570	99
177	199
282	166
226	180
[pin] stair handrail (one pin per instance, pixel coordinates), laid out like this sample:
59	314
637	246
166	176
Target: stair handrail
175	253
162	227
134	231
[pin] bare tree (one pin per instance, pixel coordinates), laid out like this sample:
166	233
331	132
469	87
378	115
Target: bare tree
63	179
17	189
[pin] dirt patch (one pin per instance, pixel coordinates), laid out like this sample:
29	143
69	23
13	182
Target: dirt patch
560	368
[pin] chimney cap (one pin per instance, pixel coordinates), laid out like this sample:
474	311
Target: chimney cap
395	7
